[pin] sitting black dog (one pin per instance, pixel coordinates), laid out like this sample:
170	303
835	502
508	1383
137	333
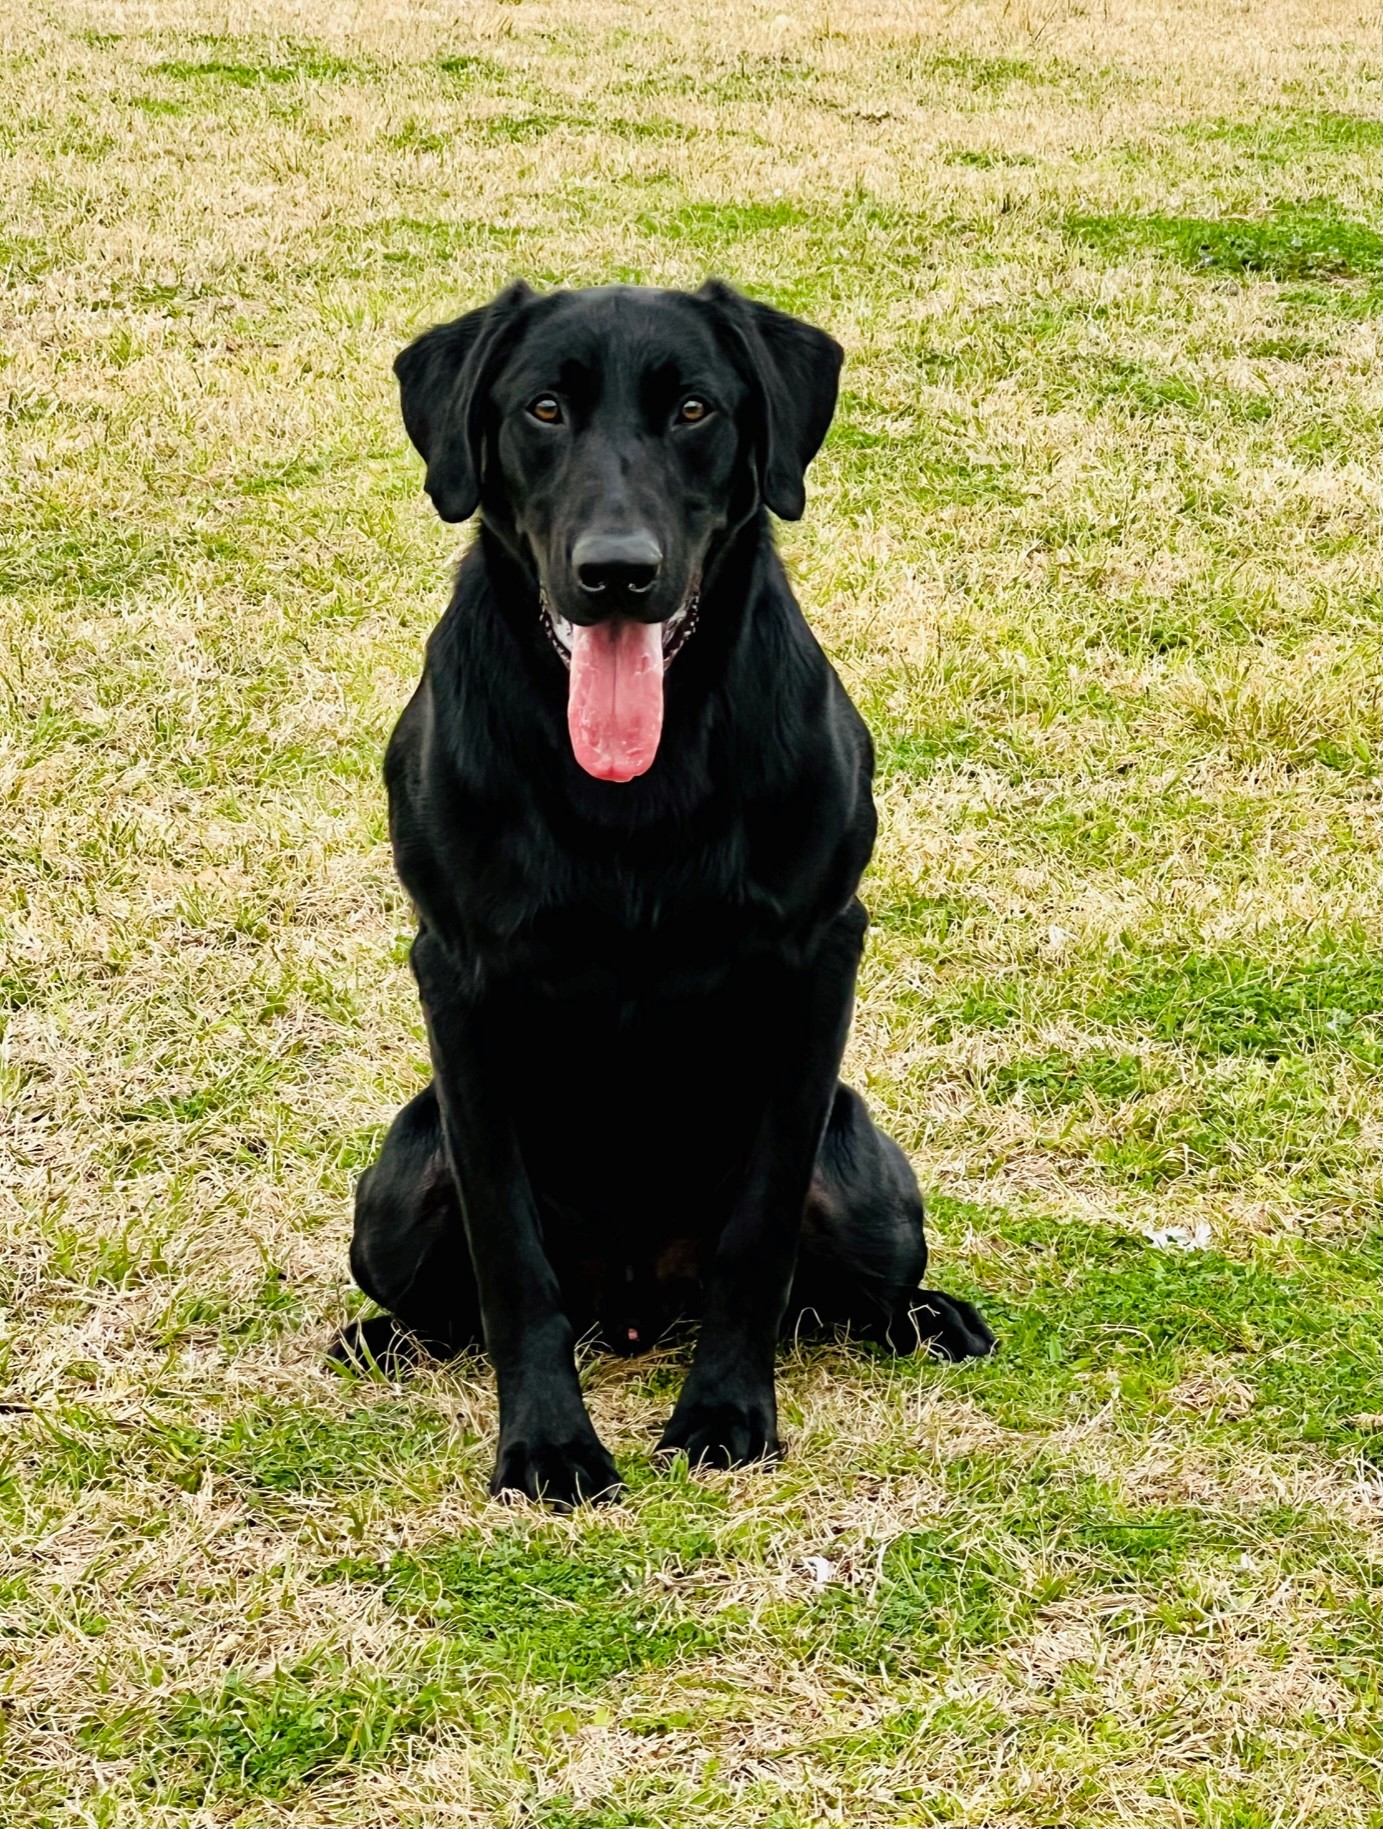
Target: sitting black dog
631	803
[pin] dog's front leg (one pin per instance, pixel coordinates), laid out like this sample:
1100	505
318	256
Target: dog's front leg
727	1413
548	1448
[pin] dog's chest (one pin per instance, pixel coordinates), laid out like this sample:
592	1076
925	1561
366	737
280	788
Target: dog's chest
639	1094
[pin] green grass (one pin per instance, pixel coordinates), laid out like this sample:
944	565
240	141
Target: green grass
248	76
1093	544
537	1616
273	1738
1306	241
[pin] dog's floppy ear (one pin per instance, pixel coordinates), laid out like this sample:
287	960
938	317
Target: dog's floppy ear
795	370
443	377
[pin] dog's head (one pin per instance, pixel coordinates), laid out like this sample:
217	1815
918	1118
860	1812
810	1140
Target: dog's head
614	440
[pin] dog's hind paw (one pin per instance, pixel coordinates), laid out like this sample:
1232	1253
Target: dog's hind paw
377	1345
945	1326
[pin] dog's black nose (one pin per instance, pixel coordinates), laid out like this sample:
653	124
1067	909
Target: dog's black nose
616	562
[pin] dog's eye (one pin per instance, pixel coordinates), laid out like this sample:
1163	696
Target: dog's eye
546	409
692	411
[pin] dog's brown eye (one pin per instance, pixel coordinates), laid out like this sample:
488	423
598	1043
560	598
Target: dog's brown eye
692	411
546	409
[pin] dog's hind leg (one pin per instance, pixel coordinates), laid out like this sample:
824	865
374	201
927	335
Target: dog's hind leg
409	1251
863	1251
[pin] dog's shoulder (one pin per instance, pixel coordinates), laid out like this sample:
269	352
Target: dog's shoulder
459	725
791	706
800	758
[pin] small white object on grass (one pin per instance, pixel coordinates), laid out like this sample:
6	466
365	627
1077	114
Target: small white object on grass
1179	1238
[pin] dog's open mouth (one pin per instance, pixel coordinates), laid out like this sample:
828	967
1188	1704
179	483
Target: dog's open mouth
615	693
675	632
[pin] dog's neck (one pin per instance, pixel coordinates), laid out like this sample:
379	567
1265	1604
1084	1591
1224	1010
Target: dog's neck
531	684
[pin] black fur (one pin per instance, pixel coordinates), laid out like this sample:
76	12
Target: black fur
637	994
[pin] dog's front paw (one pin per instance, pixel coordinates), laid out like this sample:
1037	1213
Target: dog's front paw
577	1471
949	1328
734	1433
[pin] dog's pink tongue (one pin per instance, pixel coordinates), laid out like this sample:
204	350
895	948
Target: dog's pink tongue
615	698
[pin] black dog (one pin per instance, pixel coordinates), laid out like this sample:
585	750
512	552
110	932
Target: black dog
631	803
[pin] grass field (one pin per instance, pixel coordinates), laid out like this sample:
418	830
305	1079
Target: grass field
1092	542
